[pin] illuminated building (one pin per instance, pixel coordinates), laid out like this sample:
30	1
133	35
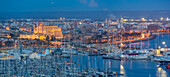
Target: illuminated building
143	19
161	18
125	20
153	27
25	28
120	24
29	36
167	19
41	32
7	28
6	35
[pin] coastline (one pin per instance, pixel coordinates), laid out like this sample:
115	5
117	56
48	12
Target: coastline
147	39
153	36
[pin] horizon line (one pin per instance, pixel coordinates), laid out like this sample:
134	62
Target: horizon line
85	11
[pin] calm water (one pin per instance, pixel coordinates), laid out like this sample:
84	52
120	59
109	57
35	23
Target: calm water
155	43
132	68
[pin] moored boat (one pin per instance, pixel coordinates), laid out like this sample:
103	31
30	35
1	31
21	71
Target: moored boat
168	66
164	61
93	53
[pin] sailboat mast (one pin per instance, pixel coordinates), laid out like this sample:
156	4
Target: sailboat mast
20	44
108	44
141	44
121	43
130	44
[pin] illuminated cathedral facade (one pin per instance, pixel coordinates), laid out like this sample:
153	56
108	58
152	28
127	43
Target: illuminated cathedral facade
41	32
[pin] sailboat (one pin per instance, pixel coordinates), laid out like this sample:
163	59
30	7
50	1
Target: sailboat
112	54
135	54
165	59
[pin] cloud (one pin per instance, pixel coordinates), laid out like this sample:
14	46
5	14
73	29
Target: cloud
90	3
52	3
83	1
112	16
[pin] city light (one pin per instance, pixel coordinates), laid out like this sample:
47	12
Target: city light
159	47
84	38
163	42
162	18
167	19
143	19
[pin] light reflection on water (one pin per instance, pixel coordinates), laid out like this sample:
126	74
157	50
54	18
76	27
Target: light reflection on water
135	68
161	72
131	68
122	70
155	43
131	64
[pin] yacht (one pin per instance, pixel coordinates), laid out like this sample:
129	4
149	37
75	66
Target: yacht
93	53
165	59
69	51
66	55
135	54
9	56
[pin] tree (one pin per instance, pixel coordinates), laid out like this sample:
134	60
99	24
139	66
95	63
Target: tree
53	38
12	35
1	44
47	38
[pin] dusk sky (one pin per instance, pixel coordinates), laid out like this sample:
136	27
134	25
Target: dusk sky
81	5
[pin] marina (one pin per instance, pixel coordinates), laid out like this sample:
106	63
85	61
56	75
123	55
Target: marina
69	62
84	38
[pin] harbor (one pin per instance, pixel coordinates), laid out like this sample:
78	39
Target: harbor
77	62
84	38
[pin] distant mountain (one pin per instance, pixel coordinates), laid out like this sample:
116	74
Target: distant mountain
87	14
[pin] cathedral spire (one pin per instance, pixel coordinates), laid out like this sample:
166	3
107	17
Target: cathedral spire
37	26
7	24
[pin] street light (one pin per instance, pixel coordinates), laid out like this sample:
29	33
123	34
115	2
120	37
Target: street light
163	42
159	47
121	44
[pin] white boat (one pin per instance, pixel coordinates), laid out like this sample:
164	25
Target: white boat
9	55
69	51
66	55
100	73
34	55
135	54
165	56
140	57
165	59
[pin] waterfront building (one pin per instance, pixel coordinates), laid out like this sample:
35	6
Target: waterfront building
167	26
153	27
120	24
41	32
24	28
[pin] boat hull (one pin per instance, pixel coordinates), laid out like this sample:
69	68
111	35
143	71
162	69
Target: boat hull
164	62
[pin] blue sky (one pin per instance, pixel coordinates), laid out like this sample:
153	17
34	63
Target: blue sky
81	5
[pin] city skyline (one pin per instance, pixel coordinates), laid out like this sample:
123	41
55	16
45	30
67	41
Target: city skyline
84	38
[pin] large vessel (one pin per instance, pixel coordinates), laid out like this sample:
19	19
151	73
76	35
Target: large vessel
165	59
135	54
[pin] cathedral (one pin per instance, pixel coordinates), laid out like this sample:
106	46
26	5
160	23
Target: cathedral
41	32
